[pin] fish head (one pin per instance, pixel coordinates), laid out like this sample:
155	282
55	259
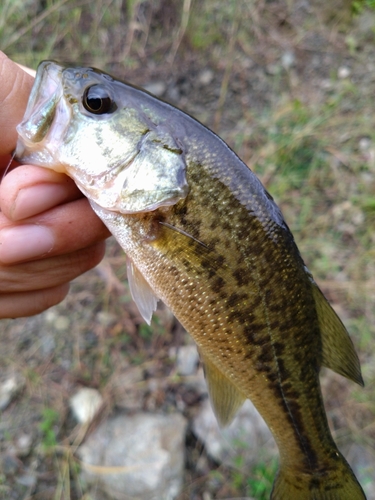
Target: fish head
110	137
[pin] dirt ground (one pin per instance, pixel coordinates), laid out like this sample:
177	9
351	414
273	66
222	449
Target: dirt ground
289	85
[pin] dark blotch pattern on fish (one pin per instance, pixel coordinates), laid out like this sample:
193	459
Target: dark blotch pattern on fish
248	292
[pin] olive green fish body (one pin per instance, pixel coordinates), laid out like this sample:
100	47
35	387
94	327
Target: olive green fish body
203	235
260	327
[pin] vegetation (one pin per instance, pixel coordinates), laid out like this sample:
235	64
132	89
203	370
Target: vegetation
291	89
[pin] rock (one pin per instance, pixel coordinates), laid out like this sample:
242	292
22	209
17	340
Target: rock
139	456
23	445
156	88
187	359
197	382
85	403
9	388
288	59
247	438
206	76
27	480
9	464
60	323
364	144
106	318
343	72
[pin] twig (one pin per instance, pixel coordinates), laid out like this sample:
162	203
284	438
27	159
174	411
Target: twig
181	31
228	70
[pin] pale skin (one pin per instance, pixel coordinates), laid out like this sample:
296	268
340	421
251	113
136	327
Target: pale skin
48	233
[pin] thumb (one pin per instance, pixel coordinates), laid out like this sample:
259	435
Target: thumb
15	86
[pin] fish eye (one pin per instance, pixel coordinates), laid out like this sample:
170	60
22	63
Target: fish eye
97	100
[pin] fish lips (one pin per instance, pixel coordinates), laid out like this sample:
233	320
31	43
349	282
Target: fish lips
46	119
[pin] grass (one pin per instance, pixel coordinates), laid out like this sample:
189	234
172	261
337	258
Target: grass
261	480
308	134
47	428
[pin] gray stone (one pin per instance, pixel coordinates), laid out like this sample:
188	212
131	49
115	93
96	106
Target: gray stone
197	382
139	457
28	480
187	359
9	464
23	445
156	88
9	388
343	72
288	59
106	318
206	76
247	440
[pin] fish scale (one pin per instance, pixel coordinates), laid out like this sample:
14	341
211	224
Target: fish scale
202	234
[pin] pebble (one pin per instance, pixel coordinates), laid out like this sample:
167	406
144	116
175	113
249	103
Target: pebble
343	72
187	359
48	344
62	323
27	480
364	143
288	59
206	76
23	445
106	318
9	464
9	388
156	88
85	403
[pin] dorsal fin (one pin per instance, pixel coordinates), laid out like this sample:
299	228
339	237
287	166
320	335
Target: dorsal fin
338	350
225	398
141	291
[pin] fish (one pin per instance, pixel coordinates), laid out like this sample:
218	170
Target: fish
203	235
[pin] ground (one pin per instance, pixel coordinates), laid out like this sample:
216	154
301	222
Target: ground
289	85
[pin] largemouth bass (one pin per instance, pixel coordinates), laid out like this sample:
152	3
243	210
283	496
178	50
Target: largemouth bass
202	234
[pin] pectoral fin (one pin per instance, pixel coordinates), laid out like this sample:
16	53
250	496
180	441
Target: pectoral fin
141	291
338	350
225	398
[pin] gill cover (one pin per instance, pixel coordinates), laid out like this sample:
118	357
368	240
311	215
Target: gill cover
155	177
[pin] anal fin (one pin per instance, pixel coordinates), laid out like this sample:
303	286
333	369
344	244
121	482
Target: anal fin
141	291
338	350
225	398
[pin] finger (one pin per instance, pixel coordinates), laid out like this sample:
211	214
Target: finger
28	70
30	190
51	272
61	230
18	305
14	92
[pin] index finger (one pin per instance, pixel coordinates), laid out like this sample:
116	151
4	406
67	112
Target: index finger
15	87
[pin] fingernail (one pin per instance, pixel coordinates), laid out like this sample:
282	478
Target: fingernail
36	199
24	242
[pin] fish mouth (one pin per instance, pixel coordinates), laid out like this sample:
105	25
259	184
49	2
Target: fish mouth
46	118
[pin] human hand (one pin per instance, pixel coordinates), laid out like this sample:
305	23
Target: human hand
48	233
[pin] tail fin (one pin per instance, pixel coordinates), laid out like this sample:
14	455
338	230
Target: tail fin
336	485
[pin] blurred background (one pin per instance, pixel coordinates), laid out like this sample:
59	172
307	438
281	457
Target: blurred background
289	85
